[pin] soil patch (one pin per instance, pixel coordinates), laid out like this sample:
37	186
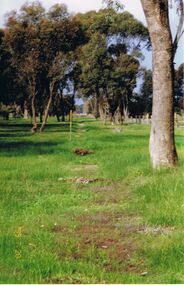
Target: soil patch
82	152
109	238
100	231
59	229
99	236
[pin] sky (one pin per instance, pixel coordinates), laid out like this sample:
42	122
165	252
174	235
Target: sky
73	6
133	6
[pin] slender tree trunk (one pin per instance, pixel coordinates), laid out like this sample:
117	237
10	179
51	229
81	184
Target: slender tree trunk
26	113
105	116
96	105
121	111
63	117
120	118
41	105
34	124
73	99
126	113
58	117
162	144
125	107
32	88
62	107
90	107
47	107
102	110
106	105
112	118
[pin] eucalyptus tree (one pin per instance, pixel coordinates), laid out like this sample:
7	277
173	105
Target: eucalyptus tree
162	143
122	82
61	34
22	41
74	76
58	75
5	73
95	67
34	38
115	40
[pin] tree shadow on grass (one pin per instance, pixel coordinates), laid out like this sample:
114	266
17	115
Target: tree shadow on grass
4	134
20	130
62	128
14	139
23	148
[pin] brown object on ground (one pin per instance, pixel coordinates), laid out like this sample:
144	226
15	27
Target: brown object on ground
82	152
81	180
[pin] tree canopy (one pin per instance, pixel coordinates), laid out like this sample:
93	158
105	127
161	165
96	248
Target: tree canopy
46	56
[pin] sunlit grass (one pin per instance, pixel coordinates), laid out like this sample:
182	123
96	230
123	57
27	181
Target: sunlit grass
125	228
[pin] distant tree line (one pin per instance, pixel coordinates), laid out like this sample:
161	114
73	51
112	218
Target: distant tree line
47	58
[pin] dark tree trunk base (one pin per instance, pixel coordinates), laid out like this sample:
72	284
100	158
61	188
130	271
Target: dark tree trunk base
34	129
42	129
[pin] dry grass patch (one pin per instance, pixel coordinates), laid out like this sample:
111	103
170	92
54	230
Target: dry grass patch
85	167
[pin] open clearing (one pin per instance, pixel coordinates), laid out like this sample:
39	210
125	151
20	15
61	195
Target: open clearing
106	217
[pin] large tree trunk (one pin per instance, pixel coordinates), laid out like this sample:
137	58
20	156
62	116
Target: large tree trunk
162	144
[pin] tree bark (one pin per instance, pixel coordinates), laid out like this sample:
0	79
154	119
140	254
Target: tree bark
26	112
32	88
47	107
102	110
58	117
162	144
73	99
62	107
34	124
96	105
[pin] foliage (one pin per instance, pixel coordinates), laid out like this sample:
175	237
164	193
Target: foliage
110	60
34	38
179	88
142	103
101	54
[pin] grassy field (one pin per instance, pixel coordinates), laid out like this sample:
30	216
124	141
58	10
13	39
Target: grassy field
127	226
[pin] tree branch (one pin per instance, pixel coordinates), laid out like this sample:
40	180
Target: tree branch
180	29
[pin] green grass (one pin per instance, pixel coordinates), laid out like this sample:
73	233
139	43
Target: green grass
128	227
